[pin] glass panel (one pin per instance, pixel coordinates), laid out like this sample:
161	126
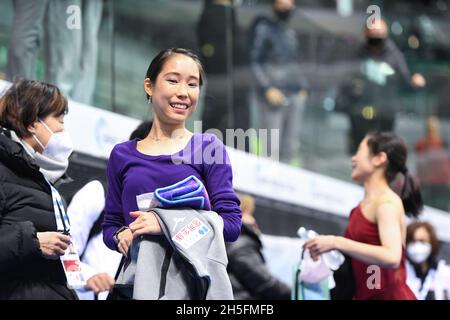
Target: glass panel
349	89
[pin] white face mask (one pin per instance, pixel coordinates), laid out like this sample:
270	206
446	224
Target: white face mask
418	251
54	160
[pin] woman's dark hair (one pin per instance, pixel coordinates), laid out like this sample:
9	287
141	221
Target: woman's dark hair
142	130
396	152
411	230
155	67
26	101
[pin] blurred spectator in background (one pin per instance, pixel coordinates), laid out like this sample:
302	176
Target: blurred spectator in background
433	165
71	28
427	278
221	51
249	275
374	92
281	87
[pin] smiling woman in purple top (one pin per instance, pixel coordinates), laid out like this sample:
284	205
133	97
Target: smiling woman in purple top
168	154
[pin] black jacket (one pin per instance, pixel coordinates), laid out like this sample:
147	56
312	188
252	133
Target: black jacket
381	78
250	278
26	207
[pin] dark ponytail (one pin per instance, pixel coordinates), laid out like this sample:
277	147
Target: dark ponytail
396	152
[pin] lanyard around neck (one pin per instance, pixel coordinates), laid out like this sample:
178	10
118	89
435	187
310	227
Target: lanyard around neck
62	219
429	282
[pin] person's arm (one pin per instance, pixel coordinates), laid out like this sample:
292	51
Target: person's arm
259	46
399	62
100	282
18	244
96	281
413	81
18	240
246	264
113	204
387	255
84	209
218	176
87	270
257	51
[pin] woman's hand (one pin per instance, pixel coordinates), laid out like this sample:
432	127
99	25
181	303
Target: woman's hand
53	244
125	238
418	81
145	223
100	282
319	245
275	97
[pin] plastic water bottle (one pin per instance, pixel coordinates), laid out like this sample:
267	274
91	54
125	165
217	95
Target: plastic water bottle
333	259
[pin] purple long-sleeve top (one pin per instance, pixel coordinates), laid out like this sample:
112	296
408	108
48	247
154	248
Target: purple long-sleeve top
131	173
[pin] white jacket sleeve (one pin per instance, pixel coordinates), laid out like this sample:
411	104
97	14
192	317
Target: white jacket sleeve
84	209
87	271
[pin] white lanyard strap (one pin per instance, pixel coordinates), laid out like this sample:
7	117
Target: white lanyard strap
62	219
429	282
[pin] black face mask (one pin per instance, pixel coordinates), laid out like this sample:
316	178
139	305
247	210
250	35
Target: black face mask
376	42
284	15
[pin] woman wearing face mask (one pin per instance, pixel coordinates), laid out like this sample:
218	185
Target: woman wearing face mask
427	278
375	238
34	152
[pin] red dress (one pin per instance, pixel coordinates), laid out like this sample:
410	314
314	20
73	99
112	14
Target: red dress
391	283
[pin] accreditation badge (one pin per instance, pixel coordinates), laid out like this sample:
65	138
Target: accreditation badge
72	268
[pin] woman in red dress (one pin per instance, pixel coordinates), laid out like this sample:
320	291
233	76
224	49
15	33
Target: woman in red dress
376	233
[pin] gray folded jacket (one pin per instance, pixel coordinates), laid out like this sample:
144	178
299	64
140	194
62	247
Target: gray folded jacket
188	262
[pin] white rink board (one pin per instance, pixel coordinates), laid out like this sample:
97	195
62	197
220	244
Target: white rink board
95	132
